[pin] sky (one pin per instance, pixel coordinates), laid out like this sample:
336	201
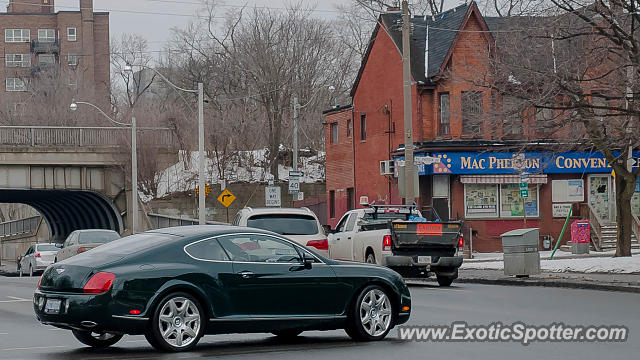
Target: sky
150	18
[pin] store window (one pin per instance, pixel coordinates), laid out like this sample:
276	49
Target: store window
481	200
511	204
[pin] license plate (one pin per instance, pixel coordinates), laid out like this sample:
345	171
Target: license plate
52	306
424	259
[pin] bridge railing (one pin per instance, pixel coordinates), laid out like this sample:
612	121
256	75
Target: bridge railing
159	221
77	136
19	227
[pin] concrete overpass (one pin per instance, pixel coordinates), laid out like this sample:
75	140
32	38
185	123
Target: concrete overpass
77	178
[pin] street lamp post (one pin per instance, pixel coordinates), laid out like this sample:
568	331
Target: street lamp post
134	159
201	159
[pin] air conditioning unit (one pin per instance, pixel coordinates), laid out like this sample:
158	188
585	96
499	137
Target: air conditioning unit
387	167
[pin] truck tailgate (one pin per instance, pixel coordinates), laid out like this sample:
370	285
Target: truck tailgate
406	234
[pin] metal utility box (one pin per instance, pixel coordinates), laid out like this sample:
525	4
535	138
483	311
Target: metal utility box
580	237
521	252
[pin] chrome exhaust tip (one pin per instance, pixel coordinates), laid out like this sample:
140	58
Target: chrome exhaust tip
88	324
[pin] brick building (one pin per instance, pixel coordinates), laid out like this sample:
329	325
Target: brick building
476	179
72	44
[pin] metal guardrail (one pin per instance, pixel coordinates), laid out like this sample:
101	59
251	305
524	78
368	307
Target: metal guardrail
164	221
76	136
20	227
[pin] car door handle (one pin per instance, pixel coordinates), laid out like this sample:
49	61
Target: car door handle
349	238
246	274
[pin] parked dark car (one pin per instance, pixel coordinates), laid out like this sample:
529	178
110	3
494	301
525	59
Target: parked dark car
175	285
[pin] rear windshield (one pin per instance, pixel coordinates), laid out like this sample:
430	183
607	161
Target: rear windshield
98	237
133	243
47	247
285	224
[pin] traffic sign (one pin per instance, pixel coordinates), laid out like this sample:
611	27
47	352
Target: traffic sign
294	184
524	177
524	185
296	173
272	196
226	198
207	190
524	193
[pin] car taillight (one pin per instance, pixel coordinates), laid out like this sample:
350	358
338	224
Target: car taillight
461	242
319	244
39	281
37	255
99	283
386	243
81	250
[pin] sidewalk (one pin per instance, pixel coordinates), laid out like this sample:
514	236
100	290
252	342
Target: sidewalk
8	268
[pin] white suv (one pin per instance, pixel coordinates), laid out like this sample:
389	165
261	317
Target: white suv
298	224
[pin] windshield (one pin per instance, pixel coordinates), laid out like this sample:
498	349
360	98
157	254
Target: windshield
285	224
133	243
97	237
47	247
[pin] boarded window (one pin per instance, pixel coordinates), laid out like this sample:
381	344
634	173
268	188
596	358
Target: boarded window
471	112
512	117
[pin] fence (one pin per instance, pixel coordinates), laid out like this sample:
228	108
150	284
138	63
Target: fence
163	221
77	136
19	227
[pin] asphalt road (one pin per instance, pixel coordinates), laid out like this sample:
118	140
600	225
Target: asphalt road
22	337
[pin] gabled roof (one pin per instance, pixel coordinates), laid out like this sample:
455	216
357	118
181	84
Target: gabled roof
443	30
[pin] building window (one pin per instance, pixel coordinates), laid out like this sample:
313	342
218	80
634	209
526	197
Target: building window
16	84
512	117
349	127
17	35
334	133
18	109
73	80
511	203
72	34
544	122
46	59
363	127
17	60
481	200
46	35
72	59
504	201
471	112
444	114
332	204
351	199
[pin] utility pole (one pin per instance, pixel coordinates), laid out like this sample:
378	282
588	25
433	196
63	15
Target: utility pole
134	175
201	160
296	108
408	122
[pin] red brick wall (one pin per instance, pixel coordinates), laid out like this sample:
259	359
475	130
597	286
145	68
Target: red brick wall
339	163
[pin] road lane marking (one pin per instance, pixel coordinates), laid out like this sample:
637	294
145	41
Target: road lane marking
35	348
17	298
14	301
4	333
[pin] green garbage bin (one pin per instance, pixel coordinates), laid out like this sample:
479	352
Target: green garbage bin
521	252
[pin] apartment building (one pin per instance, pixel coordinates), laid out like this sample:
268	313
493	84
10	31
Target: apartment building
67	46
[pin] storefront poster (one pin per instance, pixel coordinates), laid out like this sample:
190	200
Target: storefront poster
501	163
561	210
564	191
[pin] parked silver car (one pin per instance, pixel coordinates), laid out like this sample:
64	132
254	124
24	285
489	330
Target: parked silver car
37	258
80	241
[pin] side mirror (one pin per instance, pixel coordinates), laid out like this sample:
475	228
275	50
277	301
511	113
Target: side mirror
327	229
308	261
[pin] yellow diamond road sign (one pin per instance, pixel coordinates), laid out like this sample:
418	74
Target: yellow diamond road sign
226	198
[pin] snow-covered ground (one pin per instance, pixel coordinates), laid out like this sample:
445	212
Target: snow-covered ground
561	263
247	166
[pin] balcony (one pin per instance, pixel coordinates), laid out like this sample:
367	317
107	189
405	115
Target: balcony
40	47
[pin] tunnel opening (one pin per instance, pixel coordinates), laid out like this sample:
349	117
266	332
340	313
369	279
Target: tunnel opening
68	210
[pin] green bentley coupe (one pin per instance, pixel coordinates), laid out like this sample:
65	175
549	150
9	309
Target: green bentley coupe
175	285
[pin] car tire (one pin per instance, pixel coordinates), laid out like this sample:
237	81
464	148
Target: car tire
30	270
287	334
371	258
177	315
371	315
444	280
100	341
20	272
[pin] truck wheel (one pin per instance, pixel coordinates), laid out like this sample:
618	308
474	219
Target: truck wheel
444	280
371	258
371	315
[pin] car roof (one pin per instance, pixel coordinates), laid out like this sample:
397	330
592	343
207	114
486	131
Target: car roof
95	230
301	211
206	230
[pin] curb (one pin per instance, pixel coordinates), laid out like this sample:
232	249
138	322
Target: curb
559	283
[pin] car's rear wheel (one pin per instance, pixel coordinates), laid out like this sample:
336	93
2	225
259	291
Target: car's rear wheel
177	323
287	334
97	340
30	270
371	258
371	316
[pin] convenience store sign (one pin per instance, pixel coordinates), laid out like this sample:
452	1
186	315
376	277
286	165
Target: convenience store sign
534	163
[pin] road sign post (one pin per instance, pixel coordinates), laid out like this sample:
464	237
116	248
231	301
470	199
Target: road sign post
226	198
524	193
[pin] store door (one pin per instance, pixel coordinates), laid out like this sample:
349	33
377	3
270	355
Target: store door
602	197
440	199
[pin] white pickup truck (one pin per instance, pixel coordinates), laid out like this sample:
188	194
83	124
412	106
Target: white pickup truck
385	235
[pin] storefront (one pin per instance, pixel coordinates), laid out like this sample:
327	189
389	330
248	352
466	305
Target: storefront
485	189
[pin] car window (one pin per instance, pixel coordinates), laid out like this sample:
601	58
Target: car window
342	224
351	222
259	248
285	224
47	247
97	237
29	251
208	249
70	239
133	243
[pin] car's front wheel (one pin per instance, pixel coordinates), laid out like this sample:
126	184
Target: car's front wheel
371	315
177	323
20	272
97	340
